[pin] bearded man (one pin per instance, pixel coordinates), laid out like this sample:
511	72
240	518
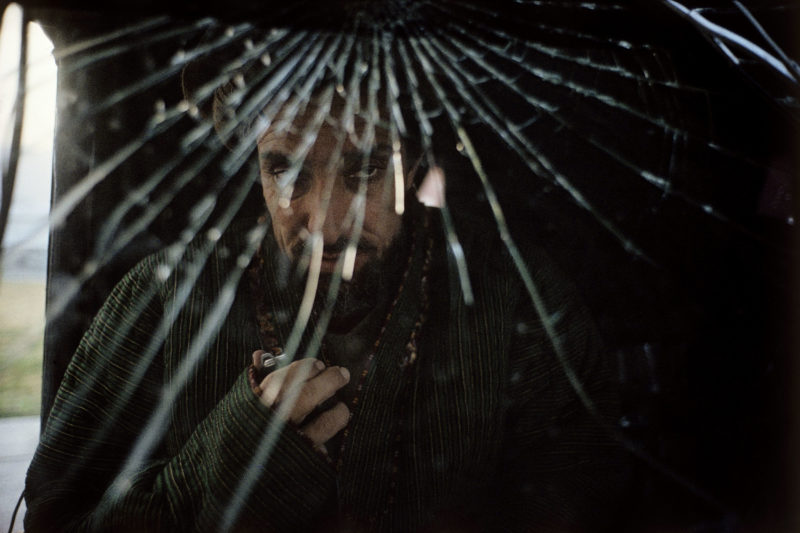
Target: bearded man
223	390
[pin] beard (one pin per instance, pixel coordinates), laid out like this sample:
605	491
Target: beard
368	289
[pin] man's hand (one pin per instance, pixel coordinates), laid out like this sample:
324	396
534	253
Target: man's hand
297	389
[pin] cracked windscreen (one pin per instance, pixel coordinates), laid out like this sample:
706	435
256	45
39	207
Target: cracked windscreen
372	266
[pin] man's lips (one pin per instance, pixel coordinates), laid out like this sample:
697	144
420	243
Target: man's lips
332	260
334	252
332	255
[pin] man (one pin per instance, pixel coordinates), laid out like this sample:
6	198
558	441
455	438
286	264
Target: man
364	396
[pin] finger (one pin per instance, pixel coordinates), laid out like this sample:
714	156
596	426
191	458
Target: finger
327	424
315	391
257	358
308	368
274	383
278	381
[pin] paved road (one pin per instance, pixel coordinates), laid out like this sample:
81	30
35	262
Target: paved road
18	438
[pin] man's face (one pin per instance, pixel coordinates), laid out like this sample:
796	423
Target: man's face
324	197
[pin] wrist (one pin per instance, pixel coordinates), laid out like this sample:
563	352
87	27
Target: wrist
252	379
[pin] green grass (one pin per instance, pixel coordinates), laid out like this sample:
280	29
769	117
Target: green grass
21	343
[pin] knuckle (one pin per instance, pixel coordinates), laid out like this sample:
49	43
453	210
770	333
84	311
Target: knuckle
334	378
307	395
343	412
275	377
270	390
268	398
324	425
330	423
264	400
338	415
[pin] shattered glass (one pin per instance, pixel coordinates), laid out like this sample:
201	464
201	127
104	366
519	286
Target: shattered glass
649	149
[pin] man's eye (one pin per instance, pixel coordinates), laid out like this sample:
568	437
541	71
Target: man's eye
367	174
276	171
294	188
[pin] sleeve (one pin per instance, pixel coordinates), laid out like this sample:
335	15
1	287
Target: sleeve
563	467
107	403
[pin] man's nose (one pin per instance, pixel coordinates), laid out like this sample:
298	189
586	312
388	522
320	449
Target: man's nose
328	217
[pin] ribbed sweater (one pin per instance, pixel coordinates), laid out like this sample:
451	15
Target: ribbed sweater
155	427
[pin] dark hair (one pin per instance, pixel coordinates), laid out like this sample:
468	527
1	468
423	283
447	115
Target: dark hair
231	88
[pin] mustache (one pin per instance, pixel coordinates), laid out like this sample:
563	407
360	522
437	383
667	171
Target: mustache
337	247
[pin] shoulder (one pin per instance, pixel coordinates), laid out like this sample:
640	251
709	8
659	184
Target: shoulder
199	258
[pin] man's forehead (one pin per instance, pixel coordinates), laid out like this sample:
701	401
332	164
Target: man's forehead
326	143
337	118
